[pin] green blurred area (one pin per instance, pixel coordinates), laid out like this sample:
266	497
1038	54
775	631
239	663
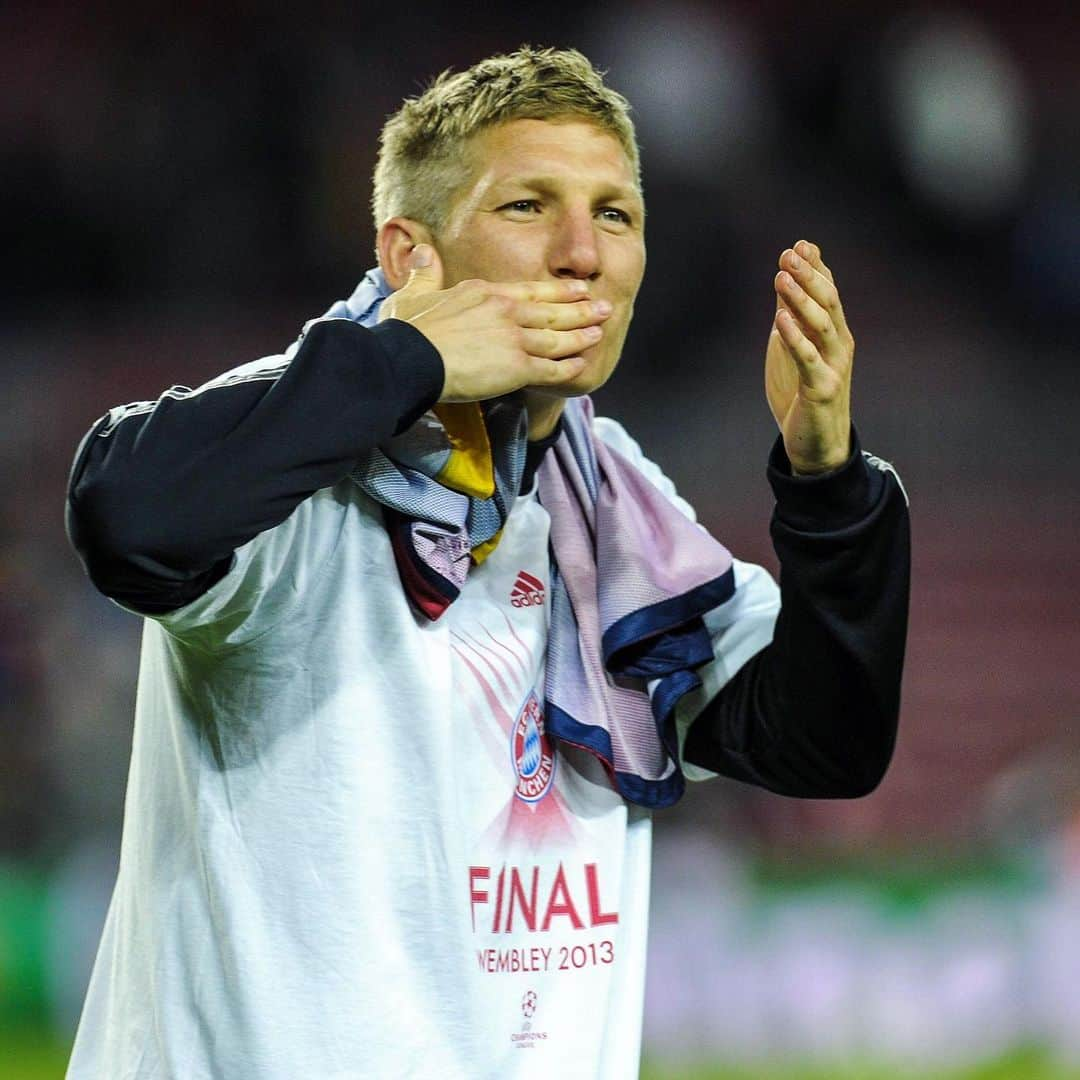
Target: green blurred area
23	904
1025	1063
33	1054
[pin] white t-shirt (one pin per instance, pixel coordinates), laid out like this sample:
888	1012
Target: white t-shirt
349	849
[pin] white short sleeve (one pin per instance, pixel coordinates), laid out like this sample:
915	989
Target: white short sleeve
616	436
268	575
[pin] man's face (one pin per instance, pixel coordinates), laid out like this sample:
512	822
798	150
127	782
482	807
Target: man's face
552	200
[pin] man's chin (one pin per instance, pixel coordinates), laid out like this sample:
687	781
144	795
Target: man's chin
575	388
545	403
592	377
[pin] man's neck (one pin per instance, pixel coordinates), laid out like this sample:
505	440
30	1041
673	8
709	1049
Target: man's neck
544	412
535	452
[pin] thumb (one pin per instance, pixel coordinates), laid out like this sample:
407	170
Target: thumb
425	270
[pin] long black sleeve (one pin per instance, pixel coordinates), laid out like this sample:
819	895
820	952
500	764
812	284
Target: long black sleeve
814	713
162	493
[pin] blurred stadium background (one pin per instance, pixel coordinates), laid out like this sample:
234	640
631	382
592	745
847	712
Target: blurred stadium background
181	190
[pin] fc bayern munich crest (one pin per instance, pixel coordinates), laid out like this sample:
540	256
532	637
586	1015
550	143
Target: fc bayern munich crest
531	753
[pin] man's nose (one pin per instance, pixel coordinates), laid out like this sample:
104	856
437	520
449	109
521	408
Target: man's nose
574	252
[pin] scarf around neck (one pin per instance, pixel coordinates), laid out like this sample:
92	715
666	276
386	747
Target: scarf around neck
631	575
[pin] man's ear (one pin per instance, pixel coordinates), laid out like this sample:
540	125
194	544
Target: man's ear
396	239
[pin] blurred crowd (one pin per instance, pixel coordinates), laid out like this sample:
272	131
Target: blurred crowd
185	185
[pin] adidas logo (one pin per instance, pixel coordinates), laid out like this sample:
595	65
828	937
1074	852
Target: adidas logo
527	591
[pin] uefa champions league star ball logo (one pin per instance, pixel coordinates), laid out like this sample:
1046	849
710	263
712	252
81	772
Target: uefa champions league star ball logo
531	753
526	1038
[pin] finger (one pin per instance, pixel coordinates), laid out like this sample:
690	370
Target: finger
557	344
821	288
551	316
781	303
562	291
814	319
800	348
812	253
425	270
544	372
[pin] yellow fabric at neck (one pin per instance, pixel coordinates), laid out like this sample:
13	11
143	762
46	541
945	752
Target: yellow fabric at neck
469	469
482	551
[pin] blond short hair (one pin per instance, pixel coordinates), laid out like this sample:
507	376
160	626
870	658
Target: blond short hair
423	160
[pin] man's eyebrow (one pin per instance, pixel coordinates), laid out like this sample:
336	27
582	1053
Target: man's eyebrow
550	185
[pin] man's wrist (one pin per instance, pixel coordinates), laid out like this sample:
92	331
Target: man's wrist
824	469
418	368
822	501
824	456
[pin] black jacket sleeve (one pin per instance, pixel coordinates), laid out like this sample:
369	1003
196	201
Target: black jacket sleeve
162	493
814	714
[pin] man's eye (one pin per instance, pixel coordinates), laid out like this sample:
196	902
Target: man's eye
613	213
521	205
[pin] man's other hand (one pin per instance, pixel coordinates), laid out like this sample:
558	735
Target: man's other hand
808	363
497	337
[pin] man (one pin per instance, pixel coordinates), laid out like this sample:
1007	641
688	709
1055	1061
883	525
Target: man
416	671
